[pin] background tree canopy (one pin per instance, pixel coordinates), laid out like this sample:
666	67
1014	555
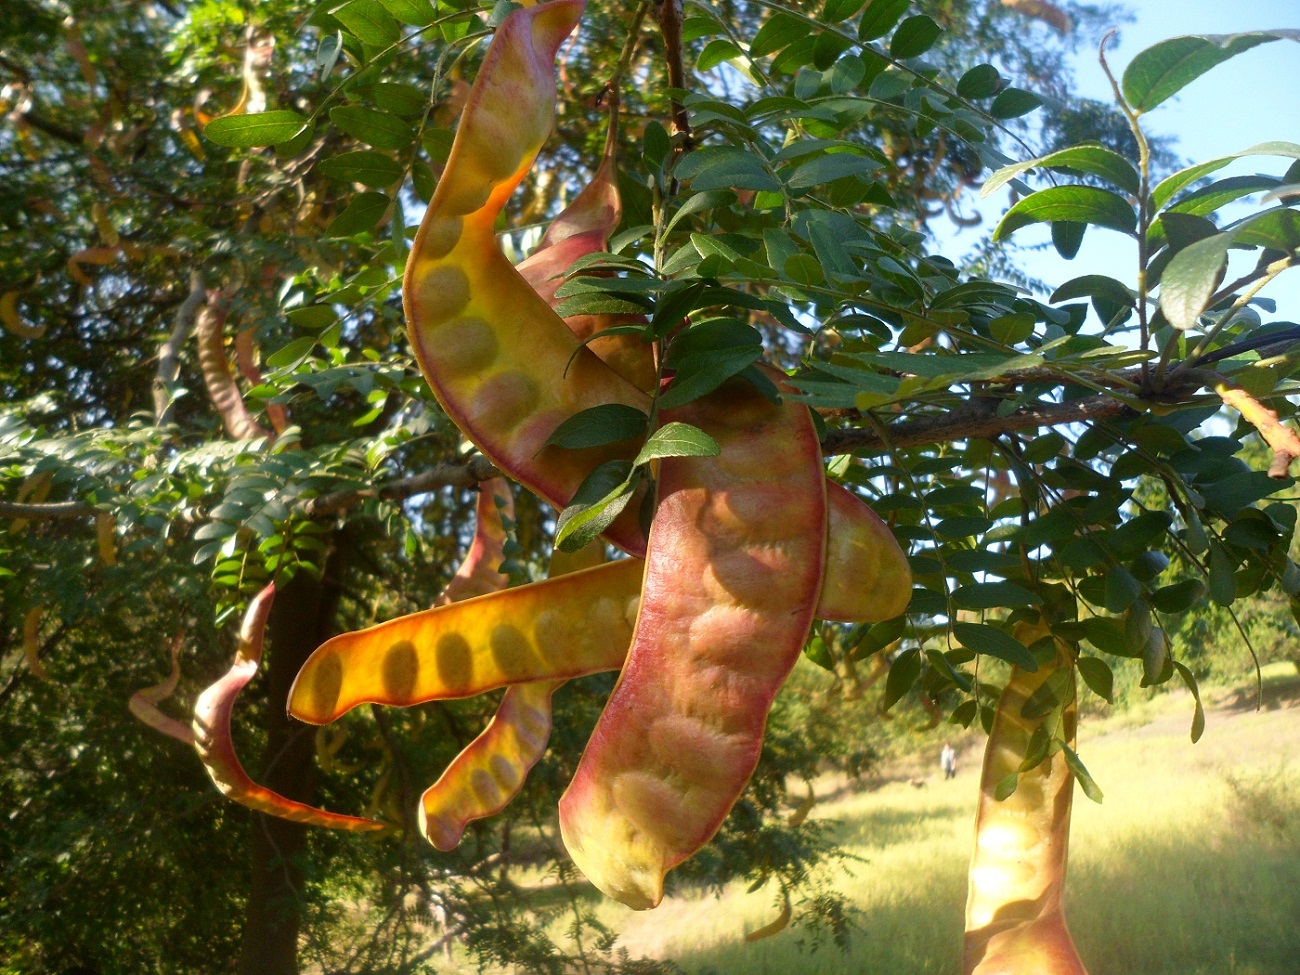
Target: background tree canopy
205	383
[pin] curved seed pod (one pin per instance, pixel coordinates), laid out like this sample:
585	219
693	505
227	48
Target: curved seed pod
727	601
246	358
210	324
34	489
584	227
144	702
12	318
558	628
1048	13
868	579
499	360
503	365
490	770
106	537
478	574
775	926
801	811
99	256
32	642
217	750
1014	917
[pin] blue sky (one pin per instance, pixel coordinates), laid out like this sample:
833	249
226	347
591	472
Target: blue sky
1248	100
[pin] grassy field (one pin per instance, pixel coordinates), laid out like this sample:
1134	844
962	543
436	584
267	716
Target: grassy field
1191	866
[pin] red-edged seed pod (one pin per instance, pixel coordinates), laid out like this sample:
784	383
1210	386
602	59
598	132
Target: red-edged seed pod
732	576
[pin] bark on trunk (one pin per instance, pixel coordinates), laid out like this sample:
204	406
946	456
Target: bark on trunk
303	617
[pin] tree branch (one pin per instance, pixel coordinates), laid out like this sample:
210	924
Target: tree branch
977	419
54	511
670	25
458	474
465	475
169	353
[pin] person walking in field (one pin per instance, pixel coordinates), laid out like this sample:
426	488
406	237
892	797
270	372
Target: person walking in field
948	760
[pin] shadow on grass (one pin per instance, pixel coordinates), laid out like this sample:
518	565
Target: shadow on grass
1276	691
1227	903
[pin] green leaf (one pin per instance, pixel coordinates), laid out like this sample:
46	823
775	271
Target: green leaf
395	97
880	17
259	129
817	651
598	426
715	52
1179	597
1191	278
837	11
291	354
1169	186
1223	579
993	595
1095	160
914	37
378	129
1121	589
1056	690
981	81
780	31
703	372
362	213
1096	673
1081	775
903	673
989	640
1155	657
829	167
417	13
601	498
1162	70
1080	204
1067	237
369	22
1198	716
1013	103
725	167
362	166
677	440
328	51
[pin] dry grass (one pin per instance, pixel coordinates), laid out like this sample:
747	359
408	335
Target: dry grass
1190	867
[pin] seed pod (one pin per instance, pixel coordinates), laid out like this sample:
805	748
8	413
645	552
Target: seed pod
12	319
503	365
499	360
144	702
490	771
584	227
727	601
210	325
1015	922
106	537
477	575
34	490
555	629
213	742
246	358
775	926
32	642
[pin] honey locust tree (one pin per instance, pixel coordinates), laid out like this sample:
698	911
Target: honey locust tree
207	386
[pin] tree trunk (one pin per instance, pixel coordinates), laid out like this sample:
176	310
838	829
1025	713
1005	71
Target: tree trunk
302	618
